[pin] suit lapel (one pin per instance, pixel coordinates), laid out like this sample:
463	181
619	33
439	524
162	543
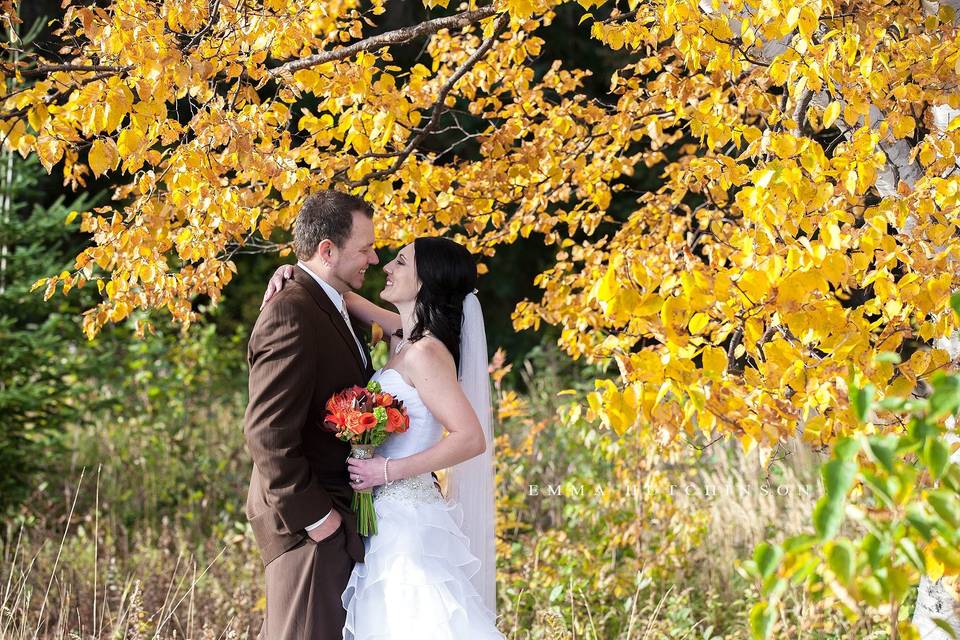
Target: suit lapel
323	301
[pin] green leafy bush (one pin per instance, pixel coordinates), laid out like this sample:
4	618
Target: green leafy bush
889	514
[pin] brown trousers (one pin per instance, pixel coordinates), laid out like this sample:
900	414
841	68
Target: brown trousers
304	585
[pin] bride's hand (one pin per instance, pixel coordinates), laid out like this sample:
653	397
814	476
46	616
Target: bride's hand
369	472
283	273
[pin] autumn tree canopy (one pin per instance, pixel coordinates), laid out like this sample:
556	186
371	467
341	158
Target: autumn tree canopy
804	222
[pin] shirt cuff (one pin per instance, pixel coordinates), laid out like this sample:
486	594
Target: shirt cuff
318	522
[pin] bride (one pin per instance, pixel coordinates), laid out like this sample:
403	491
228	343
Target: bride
430	570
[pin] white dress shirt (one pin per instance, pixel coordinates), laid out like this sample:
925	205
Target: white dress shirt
337	299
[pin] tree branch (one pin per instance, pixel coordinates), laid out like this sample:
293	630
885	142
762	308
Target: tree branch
396	36
438	106
80	68
800	111
189	40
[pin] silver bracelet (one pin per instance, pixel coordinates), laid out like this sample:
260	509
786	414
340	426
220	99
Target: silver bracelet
386	481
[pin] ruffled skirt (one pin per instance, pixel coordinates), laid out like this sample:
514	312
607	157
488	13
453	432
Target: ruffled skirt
415	579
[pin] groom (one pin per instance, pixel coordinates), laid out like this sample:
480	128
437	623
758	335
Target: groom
303	350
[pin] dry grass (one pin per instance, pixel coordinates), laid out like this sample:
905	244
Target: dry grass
752	505
95	578
91	581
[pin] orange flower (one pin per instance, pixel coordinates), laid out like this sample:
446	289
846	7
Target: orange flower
368	421
338	407
338	404
397	421
384	400
353	423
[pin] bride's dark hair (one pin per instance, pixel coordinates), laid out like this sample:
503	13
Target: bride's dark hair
447	273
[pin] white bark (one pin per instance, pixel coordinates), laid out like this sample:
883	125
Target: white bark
934	600
6	181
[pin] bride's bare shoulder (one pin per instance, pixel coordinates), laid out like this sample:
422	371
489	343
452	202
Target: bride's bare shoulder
428	356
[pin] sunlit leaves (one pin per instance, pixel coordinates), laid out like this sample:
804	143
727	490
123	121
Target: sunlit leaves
784	233
802	218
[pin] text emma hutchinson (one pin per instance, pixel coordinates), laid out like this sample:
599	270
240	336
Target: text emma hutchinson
689	489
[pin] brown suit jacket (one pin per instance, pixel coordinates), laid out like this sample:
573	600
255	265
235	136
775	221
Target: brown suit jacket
300	353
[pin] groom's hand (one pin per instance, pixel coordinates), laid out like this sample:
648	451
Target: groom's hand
326	529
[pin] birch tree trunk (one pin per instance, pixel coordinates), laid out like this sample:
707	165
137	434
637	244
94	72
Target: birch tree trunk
6	182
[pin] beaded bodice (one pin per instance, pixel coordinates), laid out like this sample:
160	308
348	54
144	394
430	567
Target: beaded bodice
424	432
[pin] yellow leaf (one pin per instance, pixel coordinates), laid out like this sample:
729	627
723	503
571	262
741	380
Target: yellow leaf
376	333
784	145
618	408
607	287
37	116
765	178
747	443
519	8
918	362
850	181
830	114
698	322
51	289
147	272
903	126
755	285
831	235
129	142
714	360
808	22
932	563
673	313
102	156
793	16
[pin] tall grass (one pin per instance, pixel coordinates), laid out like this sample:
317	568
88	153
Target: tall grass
144	535
97	579
611	562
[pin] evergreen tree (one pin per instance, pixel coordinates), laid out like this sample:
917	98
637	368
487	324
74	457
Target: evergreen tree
41	342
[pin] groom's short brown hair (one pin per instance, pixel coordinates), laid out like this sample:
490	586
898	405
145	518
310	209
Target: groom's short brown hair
326	215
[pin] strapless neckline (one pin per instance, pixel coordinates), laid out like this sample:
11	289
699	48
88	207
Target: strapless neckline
424	431
399	377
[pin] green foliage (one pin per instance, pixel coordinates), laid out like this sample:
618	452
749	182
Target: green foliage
166	428
38	342
897	494
31	408
159	414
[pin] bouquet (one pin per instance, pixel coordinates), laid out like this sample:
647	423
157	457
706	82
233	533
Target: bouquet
363	416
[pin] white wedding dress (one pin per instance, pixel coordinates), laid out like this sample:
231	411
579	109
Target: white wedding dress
415	581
